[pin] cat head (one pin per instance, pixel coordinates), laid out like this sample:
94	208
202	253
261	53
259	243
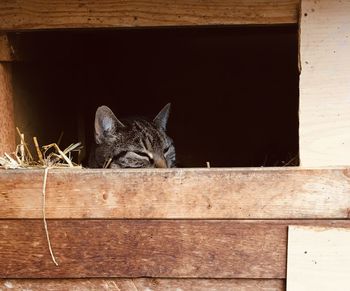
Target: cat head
135	143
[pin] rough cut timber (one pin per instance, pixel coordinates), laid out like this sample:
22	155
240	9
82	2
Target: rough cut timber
252	193
30	14
7	126
320	266
325	83
147	248
141	284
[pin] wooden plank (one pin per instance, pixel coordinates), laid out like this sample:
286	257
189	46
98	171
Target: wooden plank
6	54
147	248
143	284
142	248
41	14
7	126
321	266
178	193
325	83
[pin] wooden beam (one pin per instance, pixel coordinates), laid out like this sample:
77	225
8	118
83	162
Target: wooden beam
7	123
30	14
147	248
143	284
253	193
321	266
324	83
6	54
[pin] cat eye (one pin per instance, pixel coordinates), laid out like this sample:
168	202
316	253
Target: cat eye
119	155
166	150
144	154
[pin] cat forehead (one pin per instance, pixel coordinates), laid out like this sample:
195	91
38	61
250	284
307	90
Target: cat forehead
139	134
146	129
142	125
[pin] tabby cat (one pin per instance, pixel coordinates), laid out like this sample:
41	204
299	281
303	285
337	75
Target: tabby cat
136	143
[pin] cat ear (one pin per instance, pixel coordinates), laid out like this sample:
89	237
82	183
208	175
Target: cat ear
161	119
105	123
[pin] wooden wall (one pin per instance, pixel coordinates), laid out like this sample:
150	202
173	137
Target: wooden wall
218	229
204	228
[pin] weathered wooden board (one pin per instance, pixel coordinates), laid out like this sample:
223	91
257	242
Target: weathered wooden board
141	284
7	126
178	193
147	248
30	14
142	248
325	83
324	265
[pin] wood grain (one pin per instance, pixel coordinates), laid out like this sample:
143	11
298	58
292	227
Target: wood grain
143	284
147	248
253	193
7	126
40	14
6	54
325	83
321	266
142	248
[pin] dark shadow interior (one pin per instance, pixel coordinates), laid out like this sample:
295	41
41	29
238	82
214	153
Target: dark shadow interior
234	90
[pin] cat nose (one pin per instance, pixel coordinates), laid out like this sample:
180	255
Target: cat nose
160	163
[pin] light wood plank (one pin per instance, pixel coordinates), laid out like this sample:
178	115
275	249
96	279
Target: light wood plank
143	284
178	193
39	14
325	83
324	265
7	126
147	248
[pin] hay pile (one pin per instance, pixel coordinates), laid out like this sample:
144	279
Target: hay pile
47	156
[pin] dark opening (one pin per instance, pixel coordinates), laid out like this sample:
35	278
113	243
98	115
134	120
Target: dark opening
234	90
